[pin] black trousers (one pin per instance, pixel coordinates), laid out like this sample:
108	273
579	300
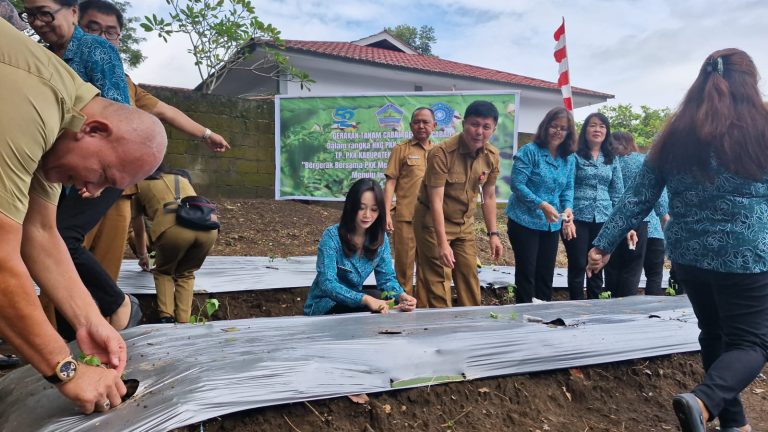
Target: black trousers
622	274
653	265
535	254
731	309
577	250
75	217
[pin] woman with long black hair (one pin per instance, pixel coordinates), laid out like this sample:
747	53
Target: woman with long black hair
597	186
349	252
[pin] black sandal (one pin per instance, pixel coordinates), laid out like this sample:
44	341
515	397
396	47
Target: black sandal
689	413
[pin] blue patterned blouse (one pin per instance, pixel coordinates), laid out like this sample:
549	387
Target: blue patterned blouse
97	62
720	226
538	177
340	279
597	188
659	210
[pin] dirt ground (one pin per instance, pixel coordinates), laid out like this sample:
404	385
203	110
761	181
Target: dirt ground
627	396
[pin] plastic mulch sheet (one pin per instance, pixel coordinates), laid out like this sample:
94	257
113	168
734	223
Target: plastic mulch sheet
230	274
190	373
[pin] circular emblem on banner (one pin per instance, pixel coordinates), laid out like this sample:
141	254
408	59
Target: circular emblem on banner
443	114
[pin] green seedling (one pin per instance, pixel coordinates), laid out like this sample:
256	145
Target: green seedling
210	307
494	315
390	297
605	295
90	360
670	292
513	316
511	293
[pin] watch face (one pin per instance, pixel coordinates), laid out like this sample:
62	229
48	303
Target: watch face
67	370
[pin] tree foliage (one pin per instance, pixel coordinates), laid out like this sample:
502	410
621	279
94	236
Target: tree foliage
129	38
219	31
420	39
643	125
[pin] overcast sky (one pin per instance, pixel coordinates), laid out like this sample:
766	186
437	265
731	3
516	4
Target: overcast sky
646	52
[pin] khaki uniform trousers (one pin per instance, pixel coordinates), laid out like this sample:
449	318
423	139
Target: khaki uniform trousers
435	283
405	255
180	253
106	240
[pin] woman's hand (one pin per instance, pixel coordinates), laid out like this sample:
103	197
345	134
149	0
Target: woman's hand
596	260
549	212
569	229
376	305
632	240
406	303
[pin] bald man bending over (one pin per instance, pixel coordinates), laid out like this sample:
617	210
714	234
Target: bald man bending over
55	129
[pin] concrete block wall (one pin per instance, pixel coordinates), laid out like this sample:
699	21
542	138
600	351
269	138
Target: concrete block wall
245	171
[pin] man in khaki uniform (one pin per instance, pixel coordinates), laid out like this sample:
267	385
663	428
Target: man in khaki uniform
107	239
55	129
457	170
405	170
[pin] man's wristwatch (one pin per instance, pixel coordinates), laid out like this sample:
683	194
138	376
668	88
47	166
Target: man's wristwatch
65	371
493	233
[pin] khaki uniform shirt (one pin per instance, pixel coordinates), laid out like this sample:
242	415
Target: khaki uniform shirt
151	197
41	96
141	98
454	166
407	164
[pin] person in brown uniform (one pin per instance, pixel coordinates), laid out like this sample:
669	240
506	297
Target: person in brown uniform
107	239
457	170
405	170
180	251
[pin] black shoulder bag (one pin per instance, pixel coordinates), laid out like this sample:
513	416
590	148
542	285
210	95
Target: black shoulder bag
194	212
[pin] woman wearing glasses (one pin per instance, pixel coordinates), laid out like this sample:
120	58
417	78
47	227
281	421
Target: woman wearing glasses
540	204
97	62
93	58
598	185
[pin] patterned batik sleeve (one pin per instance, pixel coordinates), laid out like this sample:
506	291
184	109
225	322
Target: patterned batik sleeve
662	205
616	187
105	71
327	267
632	208
386	281
521	173
566	195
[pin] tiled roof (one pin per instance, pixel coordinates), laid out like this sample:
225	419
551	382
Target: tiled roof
424	63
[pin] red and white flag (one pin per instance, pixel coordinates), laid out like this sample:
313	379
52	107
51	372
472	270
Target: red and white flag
561	57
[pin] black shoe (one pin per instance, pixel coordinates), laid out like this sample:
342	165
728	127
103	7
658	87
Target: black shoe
167	320
689	413
135	318
9	361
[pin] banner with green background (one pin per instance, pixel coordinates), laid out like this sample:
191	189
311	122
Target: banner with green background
324	144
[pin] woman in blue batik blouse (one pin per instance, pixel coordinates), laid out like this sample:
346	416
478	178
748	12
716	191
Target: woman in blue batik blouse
622	274
713	159
597	187
349	252
542	191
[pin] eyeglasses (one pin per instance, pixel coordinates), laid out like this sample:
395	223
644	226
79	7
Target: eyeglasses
555	129
422	122
45	17
96	29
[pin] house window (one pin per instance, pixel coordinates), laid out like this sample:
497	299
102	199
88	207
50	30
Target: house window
418	88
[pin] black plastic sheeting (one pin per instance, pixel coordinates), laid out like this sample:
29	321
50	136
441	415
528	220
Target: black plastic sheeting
190	373
230	274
